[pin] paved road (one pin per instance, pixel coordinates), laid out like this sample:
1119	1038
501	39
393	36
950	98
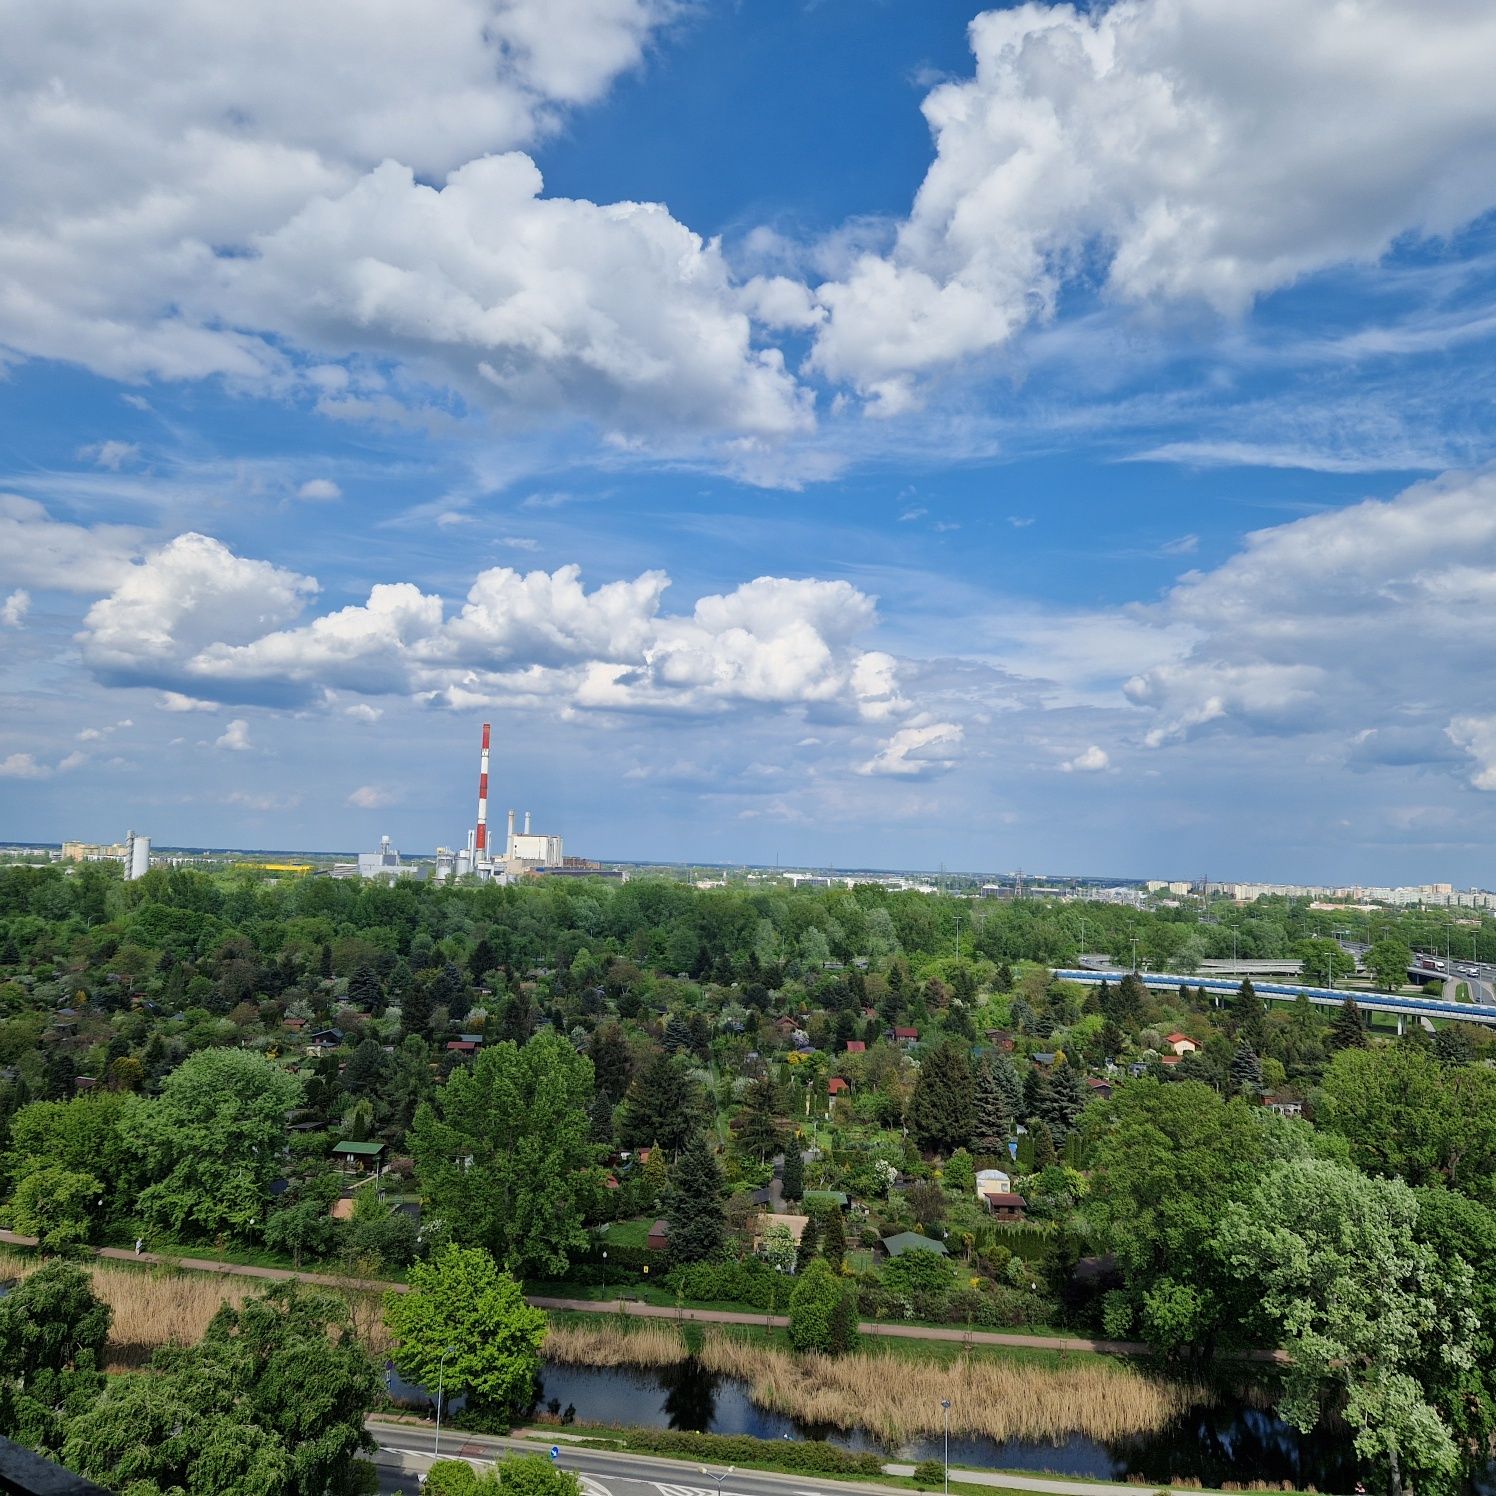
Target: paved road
407	1449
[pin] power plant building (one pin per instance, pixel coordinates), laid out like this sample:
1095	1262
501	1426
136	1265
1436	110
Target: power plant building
524	851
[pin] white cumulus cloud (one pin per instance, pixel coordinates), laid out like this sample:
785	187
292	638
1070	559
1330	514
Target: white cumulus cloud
319	491
1092	760
189	594
1186	150
913	751
15	607
235	737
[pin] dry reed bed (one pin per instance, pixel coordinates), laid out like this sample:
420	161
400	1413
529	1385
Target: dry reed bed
897	1399
584	1343
151	1309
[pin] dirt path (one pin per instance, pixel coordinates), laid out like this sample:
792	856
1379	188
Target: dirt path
645	1311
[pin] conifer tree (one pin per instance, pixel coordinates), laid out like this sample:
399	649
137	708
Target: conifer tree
659	1106
693	1204
942	1108
1246	1068
1063	1099
1346	1031
1044	1153
758	1122
993	1115
794	1171
810	1244
834	1238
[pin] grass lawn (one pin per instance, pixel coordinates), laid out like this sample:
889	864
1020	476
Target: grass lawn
633	1233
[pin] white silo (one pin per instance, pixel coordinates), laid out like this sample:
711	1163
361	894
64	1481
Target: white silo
138	862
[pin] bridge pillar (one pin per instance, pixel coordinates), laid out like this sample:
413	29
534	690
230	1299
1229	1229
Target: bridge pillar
1401	1022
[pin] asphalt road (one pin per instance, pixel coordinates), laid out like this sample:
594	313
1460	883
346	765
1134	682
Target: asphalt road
406	1449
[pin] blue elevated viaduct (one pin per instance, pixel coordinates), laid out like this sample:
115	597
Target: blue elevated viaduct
1370	1002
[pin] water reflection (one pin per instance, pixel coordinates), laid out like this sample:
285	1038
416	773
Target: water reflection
1227	1441
1209	1444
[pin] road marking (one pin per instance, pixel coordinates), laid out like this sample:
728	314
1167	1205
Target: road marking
668	1490
590	1486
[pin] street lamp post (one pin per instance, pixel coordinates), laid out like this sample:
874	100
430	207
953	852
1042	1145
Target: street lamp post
605	1272
441	1367
945	1405
717	1476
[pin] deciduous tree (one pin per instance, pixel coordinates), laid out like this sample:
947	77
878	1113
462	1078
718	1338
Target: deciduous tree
462	1307
505	1155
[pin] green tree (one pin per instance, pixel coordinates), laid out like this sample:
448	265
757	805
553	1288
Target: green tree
693	1204
660	1107
793	1183
1388	961
303	1226
1342	1282
823	1312
461	1303
1322	961
1347	1031
1171	1159
534	1475
271	1402
52	1332
993	1118
505	1156
758	1122
834	1238
212	1142
810	1243
1401	1112
50	1321
1456	1228
60	1207
961	1174
1246	1069
942	1109
1063	1099
81	1135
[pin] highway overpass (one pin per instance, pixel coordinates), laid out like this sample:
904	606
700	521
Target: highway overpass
1328	997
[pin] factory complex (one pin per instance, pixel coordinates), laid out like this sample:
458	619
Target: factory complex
525	852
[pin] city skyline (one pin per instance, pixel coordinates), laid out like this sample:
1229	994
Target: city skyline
828	436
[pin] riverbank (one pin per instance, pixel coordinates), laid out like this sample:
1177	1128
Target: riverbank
895	1396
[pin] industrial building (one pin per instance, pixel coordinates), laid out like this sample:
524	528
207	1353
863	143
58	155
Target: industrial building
524	851
384	864
133	854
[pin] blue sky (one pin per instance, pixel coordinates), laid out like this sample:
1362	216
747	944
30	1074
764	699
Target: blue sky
857	432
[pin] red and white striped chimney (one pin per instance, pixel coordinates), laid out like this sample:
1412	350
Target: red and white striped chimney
481	846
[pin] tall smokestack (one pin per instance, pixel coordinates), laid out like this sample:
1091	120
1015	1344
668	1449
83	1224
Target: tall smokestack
509	845
527	823
481	842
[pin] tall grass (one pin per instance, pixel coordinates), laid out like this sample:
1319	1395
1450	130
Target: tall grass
155	1308
896	1398
588	1343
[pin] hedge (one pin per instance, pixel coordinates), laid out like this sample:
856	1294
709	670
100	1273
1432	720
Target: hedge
808	1456
752	1282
